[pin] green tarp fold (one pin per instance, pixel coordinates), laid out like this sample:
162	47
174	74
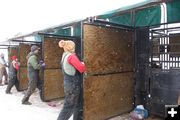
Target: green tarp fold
173	11
125	19
149	16
63	31
144	17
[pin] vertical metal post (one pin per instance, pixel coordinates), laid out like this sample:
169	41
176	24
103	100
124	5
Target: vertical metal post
19	48
136	57
81	102
42	57
151	64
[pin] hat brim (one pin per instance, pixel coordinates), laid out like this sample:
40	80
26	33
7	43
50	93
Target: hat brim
38	48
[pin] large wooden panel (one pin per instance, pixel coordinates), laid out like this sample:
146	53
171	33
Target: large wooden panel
23	75
11	52
24	51
107	50
53	84
52	53
23	78
109	85
155	48
108	95
174	42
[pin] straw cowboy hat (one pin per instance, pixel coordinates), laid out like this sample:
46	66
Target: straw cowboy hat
67	45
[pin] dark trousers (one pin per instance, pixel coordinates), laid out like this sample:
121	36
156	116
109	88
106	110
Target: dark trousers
12	81
34	82
71	102
31	88
3	72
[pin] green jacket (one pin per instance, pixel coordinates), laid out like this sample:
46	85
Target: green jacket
33	66
33	61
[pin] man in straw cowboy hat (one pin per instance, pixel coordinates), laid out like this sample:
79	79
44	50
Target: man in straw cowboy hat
71	67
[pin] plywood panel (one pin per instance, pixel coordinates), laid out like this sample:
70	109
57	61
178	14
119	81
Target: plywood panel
155	48
23	78
11	52
174	44
24	51
52	53
108	95
53	84
107	50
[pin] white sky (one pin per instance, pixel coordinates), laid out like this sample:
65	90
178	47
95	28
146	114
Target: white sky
26	16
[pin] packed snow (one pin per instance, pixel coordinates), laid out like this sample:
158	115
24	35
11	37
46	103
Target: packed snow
12	109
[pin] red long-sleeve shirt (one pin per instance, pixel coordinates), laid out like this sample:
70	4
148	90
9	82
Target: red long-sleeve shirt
17	66
75	62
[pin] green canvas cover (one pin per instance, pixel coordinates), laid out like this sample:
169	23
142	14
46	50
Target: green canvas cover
144	17
173	10
124	19
149	16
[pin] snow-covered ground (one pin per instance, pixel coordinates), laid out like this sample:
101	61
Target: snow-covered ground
12	109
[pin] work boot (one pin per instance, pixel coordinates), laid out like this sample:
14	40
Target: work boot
26	103
1	83
8	92
6	82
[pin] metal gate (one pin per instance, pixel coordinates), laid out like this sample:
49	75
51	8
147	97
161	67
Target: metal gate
164	66
142	46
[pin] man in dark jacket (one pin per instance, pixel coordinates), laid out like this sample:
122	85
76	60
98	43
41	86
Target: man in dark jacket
13	80
33	67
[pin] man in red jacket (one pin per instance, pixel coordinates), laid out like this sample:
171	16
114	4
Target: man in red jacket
13	80
71	65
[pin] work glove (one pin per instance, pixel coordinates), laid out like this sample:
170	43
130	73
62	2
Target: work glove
41	62
43	65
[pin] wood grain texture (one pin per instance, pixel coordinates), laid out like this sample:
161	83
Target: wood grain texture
23	78
108	95
174	42
24	50
107	50
109	84
53	84
52	53
11	52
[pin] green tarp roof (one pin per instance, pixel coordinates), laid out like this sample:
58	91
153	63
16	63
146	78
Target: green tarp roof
131	17
144	17
173	11
135	15
122	9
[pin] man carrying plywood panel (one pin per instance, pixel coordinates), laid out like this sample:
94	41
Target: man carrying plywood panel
33	67
13	79
70	66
